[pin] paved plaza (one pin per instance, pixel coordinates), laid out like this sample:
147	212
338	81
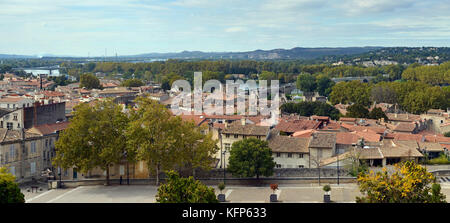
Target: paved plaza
305	193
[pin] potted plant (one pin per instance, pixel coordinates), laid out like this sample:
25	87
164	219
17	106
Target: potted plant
273	196
327	195
221	196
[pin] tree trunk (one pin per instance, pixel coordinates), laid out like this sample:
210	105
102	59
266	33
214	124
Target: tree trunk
319	175
157	175
107	175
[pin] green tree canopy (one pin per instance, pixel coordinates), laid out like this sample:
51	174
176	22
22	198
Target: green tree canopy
95	138
251	157
306	108
89	81
306	82
9	189
184	190
324	85
132	83
197	149
357	111
377	113
152	135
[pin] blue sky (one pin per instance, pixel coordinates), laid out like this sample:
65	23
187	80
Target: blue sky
79	27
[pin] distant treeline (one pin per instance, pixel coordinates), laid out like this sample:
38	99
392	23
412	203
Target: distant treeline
411	96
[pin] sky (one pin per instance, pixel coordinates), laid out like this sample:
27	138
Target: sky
129	27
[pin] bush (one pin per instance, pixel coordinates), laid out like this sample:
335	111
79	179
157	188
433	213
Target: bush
9	189
410	183
184	190
326	188
442	159
221	186
447	134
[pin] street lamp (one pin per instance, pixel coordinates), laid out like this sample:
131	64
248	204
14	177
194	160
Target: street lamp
338	168
224	170
59	173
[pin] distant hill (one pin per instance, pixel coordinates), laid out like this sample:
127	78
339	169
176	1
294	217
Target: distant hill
13	56
294	53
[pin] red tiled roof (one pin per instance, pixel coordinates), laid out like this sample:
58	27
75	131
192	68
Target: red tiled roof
51	128
346	138
297	125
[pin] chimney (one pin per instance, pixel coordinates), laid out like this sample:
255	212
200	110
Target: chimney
242	121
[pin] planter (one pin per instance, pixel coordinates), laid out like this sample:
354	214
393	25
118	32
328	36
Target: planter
327	198
273	198
221	197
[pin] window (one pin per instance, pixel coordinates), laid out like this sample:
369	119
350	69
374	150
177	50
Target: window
1	124
289	155
236	136
278	154
15	117
46	143
33	147
259	137
227	135
278	165
300	155
9	125
33	167
227	146
12	151
301	166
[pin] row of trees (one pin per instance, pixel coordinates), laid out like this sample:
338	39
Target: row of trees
434	75
285	71
412	96
360	111
103	135
311	108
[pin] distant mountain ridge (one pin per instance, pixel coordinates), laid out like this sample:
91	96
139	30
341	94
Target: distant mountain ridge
294	53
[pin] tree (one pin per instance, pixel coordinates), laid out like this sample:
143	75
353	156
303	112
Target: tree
184	190
410	183
197	148
89	81
324	85
447	134
132	83
357	111
267	75
306	82
152	134
377	113
95	138
351	92
306	108
9	189
251	157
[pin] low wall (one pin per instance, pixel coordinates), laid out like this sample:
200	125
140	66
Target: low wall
52	184
278	172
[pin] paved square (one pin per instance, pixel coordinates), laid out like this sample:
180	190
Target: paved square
344	193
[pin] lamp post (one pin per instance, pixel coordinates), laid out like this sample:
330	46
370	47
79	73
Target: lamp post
59	173
224	170
338	168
